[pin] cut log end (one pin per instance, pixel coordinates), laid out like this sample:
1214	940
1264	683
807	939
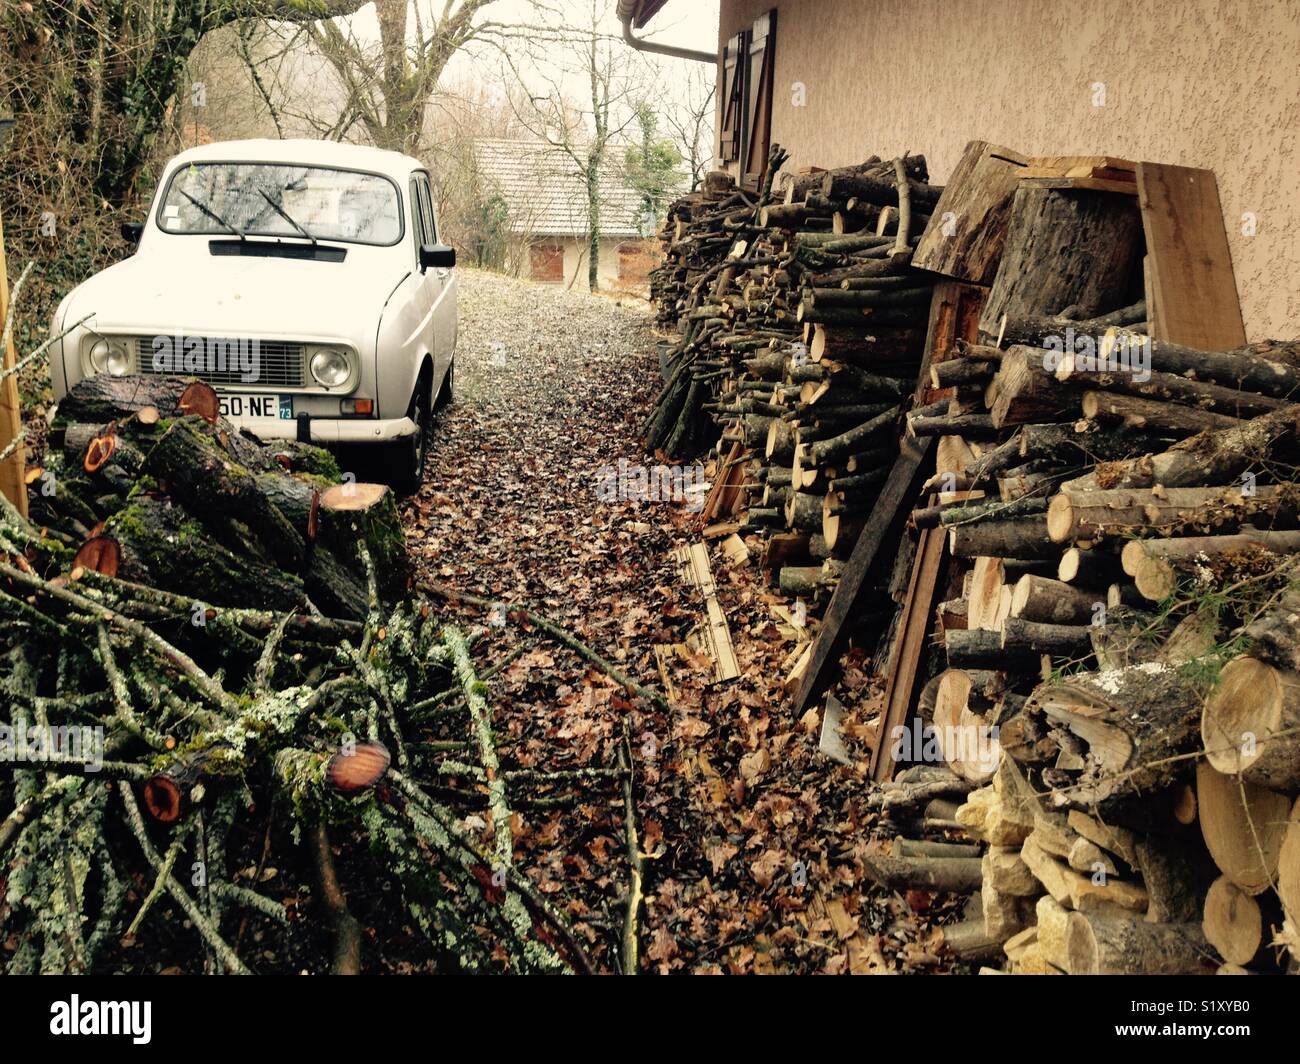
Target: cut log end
359	769
353	497
163	798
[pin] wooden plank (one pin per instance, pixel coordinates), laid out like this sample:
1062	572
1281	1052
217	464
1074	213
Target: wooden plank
1191	266
890	503
1064	163
693	567
968	225
955	314
783	547
910	645
1091	184
12	484
1107	173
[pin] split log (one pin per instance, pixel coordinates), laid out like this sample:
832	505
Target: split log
963	722
1136	725
1027	392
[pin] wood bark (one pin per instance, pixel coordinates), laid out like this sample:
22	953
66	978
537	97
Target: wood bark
1064	249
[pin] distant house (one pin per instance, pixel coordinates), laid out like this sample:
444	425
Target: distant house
545	212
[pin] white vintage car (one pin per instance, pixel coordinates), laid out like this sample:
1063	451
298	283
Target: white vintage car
304	280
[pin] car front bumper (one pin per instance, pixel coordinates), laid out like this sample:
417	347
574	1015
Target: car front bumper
327	430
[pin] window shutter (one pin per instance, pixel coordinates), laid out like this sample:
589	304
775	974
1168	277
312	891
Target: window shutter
760	76
731	130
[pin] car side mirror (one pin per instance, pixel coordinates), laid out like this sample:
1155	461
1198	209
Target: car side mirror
437	256
132	232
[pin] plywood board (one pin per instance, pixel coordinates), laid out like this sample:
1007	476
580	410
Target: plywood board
1191	267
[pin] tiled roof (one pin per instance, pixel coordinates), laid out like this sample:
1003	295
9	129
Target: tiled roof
546	195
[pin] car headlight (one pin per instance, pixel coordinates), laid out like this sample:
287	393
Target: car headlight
110	356
329	366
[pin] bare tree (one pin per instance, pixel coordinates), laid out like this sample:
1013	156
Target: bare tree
584	129
390	84
688	117
109	71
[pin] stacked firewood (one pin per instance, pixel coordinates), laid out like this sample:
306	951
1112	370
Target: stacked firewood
1116	683
1135	535
800	343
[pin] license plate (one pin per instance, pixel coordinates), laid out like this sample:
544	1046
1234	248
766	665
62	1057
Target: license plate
252	405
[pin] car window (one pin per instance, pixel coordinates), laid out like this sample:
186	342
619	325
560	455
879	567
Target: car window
428	206
423	230
280	200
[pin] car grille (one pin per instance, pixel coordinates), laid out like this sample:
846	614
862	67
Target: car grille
279	364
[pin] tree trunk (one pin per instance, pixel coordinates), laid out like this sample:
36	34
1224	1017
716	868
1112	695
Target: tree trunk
1064	249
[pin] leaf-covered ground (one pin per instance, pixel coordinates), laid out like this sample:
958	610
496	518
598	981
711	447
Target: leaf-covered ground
753	839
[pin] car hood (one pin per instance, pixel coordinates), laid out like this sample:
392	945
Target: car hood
240	296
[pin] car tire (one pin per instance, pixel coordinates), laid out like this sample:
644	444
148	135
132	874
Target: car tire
410	454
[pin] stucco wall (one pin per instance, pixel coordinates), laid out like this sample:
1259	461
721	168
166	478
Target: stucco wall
1210	83
575	260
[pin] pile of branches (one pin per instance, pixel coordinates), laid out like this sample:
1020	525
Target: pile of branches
200	628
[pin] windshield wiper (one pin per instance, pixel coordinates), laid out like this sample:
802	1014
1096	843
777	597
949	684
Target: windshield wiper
285	215
213	214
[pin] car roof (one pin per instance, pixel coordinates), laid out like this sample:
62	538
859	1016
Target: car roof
303	153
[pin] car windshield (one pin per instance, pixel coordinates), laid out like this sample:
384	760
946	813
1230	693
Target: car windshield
267	199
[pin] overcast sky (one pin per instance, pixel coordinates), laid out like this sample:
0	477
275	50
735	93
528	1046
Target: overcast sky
686	23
